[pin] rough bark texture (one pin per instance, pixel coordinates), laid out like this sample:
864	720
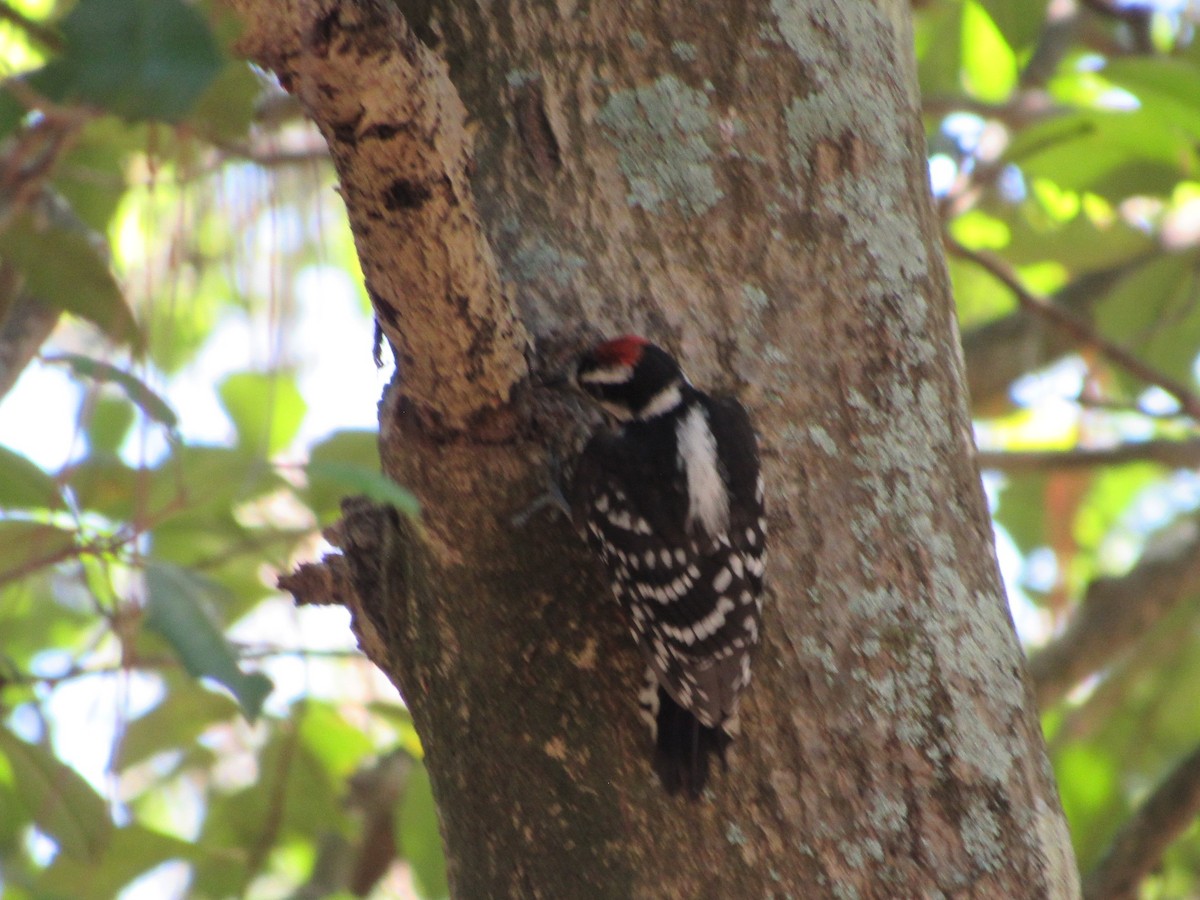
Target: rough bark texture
746	184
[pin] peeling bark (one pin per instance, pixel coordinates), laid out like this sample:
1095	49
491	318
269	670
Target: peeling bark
397	132
746	184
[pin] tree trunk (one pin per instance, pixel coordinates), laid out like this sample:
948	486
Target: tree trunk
745	184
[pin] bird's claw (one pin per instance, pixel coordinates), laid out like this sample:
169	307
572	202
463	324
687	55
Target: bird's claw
553	496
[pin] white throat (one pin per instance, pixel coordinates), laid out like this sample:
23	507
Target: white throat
708	497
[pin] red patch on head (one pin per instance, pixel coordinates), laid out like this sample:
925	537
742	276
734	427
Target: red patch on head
622	351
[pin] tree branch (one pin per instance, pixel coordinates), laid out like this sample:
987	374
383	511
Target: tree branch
1001	351
44	34
1078	329
1174	454
1137	848
1025	108
1115	614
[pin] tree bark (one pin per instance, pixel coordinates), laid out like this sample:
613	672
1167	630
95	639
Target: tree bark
745	184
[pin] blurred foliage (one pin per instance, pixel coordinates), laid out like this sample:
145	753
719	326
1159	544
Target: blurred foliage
1065	141
158	733
169	723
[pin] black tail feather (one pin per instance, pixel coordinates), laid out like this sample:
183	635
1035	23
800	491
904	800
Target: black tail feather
683	747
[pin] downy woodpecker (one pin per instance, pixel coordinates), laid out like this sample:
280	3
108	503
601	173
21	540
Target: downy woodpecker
672	503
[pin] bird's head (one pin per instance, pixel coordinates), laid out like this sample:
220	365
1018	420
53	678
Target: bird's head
631	378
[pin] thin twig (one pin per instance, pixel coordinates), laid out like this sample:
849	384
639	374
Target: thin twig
1138	847
273	157
1024	109
1079	329
1111	404
44	34
1174	454
155	663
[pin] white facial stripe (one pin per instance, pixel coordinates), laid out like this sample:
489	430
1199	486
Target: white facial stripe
662	402
607	375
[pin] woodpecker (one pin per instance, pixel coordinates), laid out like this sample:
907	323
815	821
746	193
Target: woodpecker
671	501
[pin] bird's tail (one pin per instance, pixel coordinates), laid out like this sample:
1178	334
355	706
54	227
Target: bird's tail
683	746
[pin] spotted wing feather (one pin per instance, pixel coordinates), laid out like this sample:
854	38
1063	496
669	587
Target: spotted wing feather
694	604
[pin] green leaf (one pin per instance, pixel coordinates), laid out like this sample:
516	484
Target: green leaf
1019	21
266	409
141	59
980	231
938	37
103	484
23	485
12	112
205	483
63	269
336	744
182	716
358	448
1169	88
15	820
32	619
132	851
177	331
107	422
418	835
989	66
92	175
231	556
1153	312
227	107
1088	786
59	800
1153	178
1114	154
1022	510
1108	501
297	798
346	478
175	609
980	297
150	403
1081	243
